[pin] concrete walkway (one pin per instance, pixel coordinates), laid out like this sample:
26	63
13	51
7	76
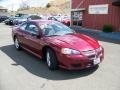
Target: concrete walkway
113	37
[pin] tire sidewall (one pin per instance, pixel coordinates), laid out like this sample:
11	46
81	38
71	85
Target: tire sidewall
53	60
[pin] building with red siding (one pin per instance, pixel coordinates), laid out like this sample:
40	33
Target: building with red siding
95	14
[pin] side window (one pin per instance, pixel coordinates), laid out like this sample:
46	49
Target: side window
34	17
33	29
47	30
23	27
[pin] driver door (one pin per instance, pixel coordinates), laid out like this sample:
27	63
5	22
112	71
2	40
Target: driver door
33	39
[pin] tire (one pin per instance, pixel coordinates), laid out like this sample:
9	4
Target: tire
51	59
17	44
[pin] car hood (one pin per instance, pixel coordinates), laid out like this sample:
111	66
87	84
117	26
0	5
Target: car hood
75	41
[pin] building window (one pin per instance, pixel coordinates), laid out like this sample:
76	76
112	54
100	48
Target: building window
77	18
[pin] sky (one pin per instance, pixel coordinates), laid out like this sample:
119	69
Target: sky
15	4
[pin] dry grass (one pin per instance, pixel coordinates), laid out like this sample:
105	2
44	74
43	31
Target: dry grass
57	7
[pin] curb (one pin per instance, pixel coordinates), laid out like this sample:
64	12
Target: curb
111	36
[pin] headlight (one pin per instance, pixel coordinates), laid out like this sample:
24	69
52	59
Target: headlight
69	51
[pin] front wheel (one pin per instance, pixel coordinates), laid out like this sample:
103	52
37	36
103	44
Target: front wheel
51	59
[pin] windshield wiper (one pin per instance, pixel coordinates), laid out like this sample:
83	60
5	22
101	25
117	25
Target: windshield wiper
53	35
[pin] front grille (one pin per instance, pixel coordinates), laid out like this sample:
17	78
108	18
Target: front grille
92	54
76	65
92	57
89	52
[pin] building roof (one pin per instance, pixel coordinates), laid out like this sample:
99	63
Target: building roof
3	7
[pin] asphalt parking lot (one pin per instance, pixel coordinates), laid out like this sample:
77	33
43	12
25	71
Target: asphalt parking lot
20	70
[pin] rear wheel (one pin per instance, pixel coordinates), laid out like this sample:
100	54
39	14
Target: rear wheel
17	44
51	59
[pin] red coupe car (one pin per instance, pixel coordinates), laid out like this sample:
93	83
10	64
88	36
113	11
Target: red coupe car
66	20
59	45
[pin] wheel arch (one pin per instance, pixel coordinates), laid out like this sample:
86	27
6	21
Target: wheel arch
55	62
45	48
14	37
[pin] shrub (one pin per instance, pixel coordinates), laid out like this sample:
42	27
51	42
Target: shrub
107	28
48	5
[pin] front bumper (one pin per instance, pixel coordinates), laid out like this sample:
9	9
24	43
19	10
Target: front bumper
77	62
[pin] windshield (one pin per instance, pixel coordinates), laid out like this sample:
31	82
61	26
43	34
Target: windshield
56	29
24	17
66	17
13	18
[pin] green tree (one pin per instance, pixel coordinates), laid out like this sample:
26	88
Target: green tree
48	5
